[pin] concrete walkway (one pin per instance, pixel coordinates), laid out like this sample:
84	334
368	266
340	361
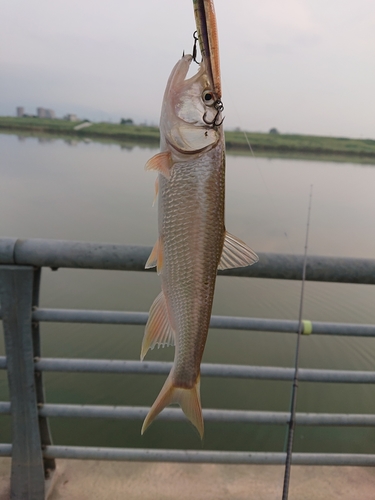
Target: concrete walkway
94	480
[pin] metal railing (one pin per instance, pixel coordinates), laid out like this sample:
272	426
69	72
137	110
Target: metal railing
33	454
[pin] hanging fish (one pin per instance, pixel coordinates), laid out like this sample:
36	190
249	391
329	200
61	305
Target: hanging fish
193	242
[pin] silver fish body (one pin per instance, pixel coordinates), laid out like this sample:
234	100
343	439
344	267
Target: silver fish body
191	209
193	242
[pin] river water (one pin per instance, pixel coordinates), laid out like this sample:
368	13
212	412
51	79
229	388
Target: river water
101	193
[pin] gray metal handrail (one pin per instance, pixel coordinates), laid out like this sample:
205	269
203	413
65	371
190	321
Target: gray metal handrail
33	455
75	254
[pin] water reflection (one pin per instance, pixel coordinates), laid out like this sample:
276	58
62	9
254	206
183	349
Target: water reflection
71	142
46	140
127	147
100	192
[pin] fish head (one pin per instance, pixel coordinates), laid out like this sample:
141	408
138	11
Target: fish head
191	112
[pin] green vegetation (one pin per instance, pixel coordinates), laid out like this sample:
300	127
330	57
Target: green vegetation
96	130
126	121
307	144
274	144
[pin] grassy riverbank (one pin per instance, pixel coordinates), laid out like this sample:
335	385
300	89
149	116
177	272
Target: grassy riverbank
96	130
283	144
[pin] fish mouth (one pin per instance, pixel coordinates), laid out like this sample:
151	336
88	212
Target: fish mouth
205	20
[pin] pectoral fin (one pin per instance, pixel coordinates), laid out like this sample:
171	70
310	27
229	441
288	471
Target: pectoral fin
158	330
162	163
236	253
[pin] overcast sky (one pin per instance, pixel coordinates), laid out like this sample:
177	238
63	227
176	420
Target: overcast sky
303	66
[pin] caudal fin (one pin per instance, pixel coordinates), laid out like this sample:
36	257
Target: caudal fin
188	399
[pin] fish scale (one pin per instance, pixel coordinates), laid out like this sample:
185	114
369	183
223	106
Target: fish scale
191	246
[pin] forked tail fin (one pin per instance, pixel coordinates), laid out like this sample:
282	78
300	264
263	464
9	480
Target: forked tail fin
188	399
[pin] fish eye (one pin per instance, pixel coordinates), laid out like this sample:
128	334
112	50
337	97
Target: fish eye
208	98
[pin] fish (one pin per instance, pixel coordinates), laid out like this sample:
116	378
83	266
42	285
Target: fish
193	242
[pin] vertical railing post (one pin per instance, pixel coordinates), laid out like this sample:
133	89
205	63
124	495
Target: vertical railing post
44	429
17	296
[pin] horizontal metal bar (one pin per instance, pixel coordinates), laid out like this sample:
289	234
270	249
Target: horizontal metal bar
4	408
207	369
211	370
76	254
7	246
219	322
5	450
210	415
89	316
214	457
193	456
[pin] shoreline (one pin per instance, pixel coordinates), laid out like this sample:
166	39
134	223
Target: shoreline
263	144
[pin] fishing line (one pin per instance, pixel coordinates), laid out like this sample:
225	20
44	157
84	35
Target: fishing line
270	197
293	403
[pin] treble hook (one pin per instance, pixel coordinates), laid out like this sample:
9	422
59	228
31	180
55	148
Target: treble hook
195	36
219	106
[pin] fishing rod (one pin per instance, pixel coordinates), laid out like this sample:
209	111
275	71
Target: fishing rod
293	404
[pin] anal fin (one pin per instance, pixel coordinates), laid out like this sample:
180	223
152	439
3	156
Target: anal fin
236	253
158	330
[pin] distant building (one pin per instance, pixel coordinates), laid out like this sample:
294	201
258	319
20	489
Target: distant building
50	114
20	111
46	113
41	113
71	117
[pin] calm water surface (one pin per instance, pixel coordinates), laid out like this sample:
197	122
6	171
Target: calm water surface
100	192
